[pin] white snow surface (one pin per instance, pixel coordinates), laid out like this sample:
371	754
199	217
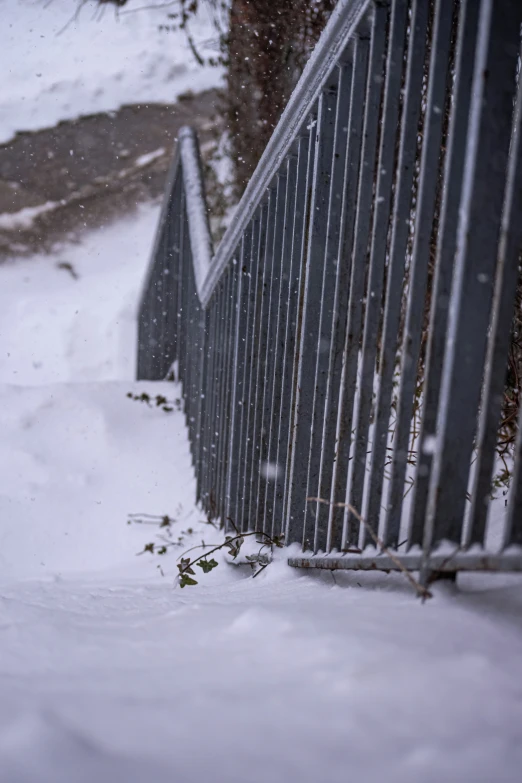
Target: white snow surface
110	672
58	64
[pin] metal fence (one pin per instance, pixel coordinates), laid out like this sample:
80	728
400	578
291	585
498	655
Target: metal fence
348	341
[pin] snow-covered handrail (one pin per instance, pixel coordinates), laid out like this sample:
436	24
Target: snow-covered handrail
344	20
197	213
365	286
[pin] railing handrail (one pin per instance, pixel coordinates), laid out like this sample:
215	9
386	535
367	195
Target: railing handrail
345	17
186	154
198	225
300	384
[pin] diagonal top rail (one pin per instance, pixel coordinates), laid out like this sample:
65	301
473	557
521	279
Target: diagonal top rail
344	20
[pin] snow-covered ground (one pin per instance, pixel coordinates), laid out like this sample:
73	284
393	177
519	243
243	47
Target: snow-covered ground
110	672
57	64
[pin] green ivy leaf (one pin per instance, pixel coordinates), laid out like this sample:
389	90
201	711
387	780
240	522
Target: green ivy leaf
234	547
185	567
149	548
207	565
162	550
186	580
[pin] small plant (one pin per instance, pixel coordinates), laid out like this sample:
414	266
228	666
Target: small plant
232	544
258	561
159	401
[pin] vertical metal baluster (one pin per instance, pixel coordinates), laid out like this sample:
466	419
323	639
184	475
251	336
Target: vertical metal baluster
260	259
227	412
211	396
513	524
272	406
159	277
215	394
189	313
375	110
145	332
271	283
305	163
494	91
261	325
146	308
181	283
187	384
416	53
202	408
184	297
237	376
324	534
400	229
424	217
330	263
172	253
156	321
308	341
294	533
503	306
211	356
245	380
446	245
225	361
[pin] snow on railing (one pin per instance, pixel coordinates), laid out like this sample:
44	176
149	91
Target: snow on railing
347	343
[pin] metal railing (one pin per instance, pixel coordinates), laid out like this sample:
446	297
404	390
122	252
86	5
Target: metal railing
348	342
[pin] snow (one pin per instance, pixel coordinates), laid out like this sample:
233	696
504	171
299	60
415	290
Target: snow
25	217
54	328
149	157
109	672
57	65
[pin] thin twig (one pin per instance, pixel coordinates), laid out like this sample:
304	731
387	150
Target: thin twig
423	592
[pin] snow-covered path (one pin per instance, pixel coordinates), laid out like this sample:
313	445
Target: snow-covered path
64	58
110	678
108	672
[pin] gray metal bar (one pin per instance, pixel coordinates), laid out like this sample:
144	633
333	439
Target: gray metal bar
202	402
494	91
330	263
308	347
227	413
305	163
258	350
262	405
439	564
416	301
513	525
211	363
237	374
378	104
510	245
267	483
253	267
410	116
323	537
217	337
220	417
446	245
